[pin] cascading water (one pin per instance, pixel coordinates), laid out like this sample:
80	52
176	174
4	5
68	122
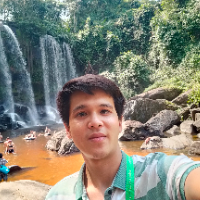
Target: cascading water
58	68
6	80
23	88
71	68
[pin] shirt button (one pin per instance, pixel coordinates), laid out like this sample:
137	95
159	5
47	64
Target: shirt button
109	192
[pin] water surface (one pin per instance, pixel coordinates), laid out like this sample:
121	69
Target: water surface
48	167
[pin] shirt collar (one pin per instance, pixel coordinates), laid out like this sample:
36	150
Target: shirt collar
118	182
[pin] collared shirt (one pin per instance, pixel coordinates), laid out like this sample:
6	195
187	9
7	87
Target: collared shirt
157	176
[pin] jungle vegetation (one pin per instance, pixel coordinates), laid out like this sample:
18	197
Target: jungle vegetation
141	44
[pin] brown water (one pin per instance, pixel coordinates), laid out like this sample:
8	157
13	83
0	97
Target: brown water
48	167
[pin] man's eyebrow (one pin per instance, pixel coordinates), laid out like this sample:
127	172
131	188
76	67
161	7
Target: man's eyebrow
78	108
106	105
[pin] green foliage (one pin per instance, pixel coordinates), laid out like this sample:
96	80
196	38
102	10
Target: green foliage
131	74
34	17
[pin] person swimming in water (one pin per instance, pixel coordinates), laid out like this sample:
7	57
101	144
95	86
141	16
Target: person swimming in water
10	147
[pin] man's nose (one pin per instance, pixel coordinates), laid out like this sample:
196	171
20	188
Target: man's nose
95	121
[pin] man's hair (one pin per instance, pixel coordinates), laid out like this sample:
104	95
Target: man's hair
1	155
87	84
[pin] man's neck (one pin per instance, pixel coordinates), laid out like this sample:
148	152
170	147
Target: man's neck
99	174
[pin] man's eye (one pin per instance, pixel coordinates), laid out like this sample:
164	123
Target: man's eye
105	111
81	114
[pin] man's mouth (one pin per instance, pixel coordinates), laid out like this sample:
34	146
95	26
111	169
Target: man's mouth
97	137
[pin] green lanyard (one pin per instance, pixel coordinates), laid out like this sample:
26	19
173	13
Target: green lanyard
129	179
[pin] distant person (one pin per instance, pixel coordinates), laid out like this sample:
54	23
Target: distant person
10	147
47	131
5	143
3	170
1	137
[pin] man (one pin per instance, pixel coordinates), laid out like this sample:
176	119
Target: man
91	108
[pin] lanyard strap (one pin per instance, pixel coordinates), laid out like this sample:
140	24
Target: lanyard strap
129	179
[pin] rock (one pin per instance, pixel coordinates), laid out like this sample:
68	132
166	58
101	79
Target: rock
14	168
143	109
197	125
195	148
23	190
187	127
174	142
193	112
175	130
54	143
184	113
177	142
67	146
182	98
159	93
61	143
153	143
132	130
197	116
162	122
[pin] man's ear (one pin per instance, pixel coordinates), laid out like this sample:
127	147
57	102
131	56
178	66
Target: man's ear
67	128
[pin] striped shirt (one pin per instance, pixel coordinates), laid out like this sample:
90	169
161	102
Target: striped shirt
3	161
157	176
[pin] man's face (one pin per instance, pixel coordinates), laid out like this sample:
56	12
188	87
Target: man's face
93	124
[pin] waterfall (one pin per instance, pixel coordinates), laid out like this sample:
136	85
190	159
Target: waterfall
71	68
23	86
58	67
6	80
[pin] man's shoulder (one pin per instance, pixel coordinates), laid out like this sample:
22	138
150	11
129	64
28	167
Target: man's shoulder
64	188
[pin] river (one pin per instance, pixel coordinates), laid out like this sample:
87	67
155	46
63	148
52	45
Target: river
48	167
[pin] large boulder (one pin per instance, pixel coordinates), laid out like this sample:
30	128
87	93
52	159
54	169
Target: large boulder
159	93
61	143
195	148
174	142
182	98
23	190
67	146
162	122
54	143
187	127
132	130
143	109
